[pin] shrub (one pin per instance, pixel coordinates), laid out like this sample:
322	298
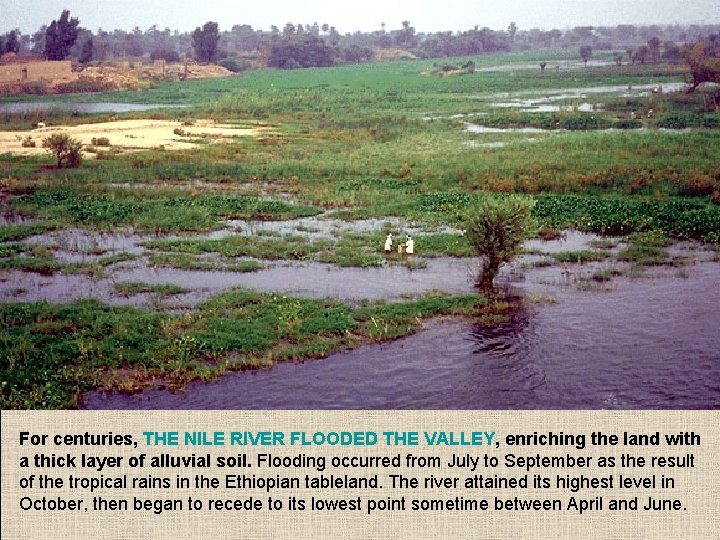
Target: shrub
27	142
625	123
83	85
36	88
65	149
496	228
698	185
234	64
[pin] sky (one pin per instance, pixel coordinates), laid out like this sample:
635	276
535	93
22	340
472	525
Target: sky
364	15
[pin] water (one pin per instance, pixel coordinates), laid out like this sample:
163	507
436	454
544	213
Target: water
79	107
650	343
640	343
554	65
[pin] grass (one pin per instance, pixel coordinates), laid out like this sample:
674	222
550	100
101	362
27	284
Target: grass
269	248
579	257
184	261
109	260
51	354
163	290
11	233
15	248
152	211
644	255
605	275
40	265
351	249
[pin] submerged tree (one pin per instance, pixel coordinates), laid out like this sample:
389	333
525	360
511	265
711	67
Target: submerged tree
496	228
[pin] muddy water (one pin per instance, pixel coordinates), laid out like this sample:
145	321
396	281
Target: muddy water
649	343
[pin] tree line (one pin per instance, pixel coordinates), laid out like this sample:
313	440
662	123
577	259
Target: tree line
305	45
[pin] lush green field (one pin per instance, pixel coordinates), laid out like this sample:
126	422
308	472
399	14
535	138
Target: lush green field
371	141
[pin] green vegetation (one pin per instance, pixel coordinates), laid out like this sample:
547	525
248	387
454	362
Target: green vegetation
643	255
580	257
496	228
191	262
270	248
152	211
51	354
163	290
351	249
23	230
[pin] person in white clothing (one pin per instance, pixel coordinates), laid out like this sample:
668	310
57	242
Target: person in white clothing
409	246
388	243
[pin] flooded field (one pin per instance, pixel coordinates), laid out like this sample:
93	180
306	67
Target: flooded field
648	343
644	342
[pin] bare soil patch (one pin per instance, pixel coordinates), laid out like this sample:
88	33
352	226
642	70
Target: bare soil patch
130	135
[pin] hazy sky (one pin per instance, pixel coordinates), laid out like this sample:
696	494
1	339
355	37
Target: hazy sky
364	15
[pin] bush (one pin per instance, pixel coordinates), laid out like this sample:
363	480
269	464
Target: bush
84	85
233	64
101	141
162	54
65	149
627	124
36	88
496	228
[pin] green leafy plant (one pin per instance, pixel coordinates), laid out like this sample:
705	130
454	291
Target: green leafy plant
496	228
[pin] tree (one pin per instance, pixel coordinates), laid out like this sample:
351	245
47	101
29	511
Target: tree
406	37
60	36
205	41
654	49
641	54
585	53
512	30
86	53
65	149
703	59
496	228
289	30
291	53
10	43
671	52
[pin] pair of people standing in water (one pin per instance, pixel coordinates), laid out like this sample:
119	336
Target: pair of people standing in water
408	247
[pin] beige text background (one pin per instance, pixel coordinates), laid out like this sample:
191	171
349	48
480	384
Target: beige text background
698	488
